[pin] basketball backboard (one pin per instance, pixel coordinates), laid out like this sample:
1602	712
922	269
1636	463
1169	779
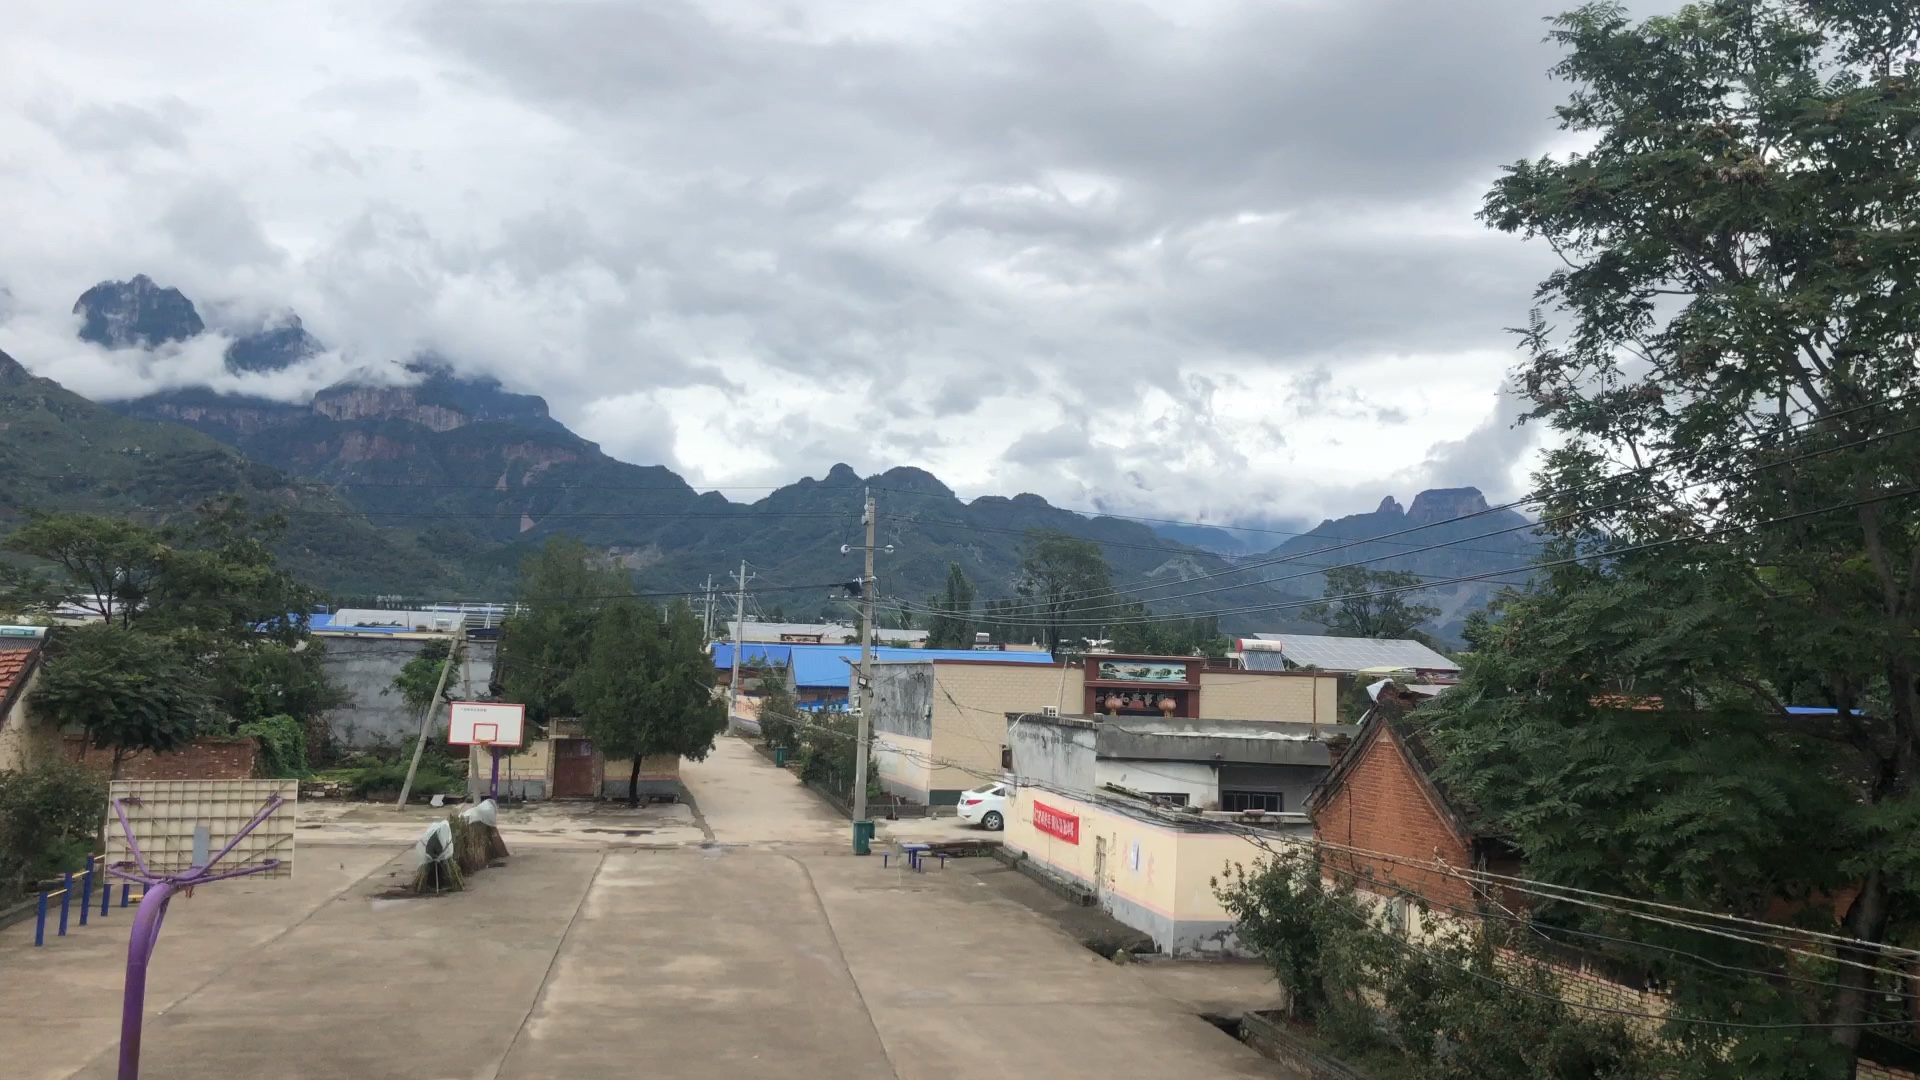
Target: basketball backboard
485	723
179	821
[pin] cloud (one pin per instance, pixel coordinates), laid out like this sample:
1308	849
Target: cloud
1186	257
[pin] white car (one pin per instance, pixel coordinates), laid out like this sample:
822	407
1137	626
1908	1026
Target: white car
985	806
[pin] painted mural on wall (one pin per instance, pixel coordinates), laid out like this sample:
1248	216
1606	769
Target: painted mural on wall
1133	671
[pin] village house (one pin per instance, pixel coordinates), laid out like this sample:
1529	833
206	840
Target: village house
1142	813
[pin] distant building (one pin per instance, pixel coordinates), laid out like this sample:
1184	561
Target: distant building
1342	655
819	634
1142	813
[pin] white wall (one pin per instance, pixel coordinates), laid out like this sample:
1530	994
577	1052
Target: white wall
1196	779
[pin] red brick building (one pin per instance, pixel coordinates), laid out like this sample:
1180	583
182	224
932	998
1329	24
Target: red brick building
209	758
1384	796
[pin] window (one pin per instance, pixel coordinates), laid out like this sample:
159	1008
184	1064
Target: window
1172	798
1235	801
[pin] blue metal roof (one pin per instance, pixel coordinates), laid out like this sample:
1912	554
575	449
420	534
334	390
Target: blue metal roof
828	665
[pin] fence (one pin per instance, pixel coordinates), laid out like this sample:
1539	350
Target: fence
65	895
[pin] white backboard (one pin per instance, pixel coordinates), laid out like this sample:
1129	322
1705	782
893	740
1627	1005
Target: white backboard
472	723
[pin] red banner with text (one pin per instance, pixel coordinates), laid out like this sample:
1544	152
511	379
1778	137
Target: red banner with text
1056	823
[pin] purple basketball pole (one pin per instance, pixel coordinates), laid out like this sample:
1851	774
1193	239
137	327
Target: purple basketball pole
158	891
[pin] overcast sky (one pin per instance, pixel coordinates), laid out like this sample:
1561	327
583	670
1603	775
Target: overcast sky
1201	258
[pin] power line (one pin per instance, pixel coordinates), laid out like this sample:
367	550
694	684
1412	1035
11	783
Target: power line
1611	553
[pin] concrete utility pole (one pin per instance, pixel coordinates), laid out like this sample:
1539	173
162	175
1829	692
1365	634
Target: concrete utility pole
739	646
426	722
865	717
706	611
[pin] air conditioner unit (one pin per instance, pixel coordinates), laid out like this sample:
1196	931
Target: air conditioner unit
1049	710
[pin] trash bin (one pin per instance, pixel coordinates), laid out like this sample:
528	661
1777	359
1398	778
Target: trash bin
780	757
863	838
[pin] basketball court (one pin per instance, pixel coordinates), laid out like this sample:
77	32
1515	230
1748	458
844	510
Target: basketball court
750	956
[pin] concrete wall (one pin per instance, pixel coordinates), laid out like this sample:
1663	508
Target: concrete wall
1194	779
365	667
1055	755
971	700
904	766
1304	697
902	699
1154	877
527	774
25	738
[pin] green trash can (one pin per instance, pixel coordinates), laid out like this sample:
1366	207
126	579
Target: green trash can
780	757
863	838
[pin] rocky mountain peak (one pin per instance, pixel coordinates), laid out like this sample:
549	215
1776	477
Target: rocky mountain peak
136	314
1445	504
1389	505
274	347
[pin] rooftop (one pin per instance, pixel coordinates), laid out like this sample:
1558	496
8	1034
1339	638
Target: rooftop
1280	652
828	665
1232	742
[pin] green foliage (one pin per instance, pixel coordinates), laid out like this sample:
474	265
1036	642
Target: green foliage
952	625
110	564
1470	1001
1727	354
1060	579
50	817
130	691
1346	610
419	676
648	685
826	754
263	678
283	745
779	714
383	780
1199	636
545	645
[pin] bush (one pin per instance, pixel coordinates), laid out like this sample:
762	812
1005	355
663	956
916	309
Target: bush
283	746
50	818
386	778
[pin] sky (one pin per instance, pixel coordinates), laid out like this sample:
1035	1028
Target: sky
1204	259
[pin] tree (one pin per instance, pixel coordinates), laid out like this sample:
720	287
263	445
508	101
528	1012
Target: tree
129	691
1728	353
546	642
1061	577
1353	604
419	676
110	564
647	688
952	626
1197	636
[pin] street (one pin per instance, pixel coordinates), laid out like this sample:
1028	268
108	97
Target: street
739	941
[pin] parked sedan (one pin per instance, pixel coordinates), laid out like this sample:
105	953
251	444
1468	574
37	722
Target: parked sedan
985	806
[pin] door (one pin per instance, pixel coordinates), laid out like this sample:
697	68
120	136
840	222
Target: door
573	769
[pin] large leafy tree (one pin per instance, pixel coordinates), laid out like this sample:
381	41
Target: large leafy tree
1358	602
128	690
1061	579
647	687
1728	352
546	643
952	625
109	565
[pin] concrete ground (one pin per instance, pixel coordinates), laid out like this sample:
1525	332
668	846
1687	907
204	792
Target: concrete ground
766	950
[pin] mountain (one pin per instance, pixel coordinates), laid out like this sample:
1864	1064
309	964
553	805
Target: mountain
59	451
1446	533
460	470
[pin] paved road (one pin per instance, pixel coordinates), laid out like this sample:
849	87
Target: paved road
768	952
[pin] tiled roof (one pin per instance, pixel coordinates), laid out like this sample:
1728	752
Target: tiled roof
15	665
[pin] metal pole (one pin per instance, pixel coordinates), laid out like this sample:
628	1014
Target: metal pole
739	632
86	891
146	932
706	611
493	782
426	722
866	676
66	898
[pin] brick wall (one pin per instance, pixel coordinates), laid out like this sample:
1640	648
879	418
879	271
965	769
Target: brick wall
1382	807
206	759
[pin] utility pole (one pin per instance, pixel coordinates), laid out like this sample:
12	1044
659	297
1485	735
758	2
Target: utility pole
454	652
862	828
706	611
739	645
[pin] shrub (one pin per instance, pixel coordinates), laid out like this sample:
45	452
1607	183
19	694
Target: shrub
50	818
386	778
283	745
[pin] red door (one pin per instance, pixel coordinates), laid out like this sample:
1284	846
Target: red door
573	769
